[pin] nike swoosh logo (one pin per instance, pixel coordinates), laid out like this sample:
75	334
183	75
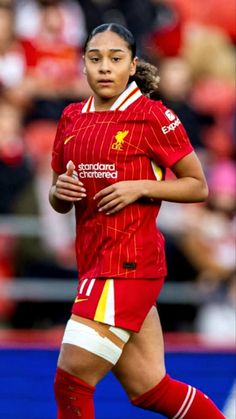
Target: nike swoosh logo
68	139
79	300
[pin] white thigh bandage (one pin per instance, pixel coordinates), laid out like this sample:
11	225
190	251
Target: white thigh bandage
100	339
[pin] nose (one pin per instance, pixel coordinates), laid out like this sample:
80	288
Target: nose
104	66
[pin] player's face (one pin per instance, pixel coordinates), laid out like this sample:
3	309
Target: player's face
108	65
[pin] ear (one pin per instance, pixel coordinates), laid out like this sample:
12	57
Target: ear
133	66
84	70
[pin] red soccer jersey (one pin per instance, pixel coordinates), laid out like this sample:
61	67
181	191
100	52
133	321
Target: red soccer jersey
111	146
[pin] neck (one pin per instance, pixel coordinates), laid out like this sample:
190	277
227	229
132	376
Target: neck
118	102
105	104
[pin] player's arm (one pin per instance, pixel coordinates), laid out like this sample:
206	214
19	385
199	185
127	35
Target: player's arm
65	190
189	186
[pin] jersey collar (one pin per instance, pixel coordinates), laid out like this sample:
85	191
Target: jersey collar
126	98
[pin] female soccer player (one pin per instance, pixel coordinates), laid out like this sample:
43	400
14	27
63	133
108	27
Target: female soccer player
109	160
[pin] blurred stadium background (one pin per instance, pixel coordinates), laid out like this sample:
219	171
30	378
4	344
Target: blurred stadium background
41	47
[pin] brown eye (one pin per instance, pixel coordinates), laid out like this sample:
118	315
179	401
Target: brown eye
94	59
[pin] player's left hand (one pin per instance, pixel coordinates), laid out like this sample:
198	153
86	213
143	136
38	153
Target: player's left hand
117	196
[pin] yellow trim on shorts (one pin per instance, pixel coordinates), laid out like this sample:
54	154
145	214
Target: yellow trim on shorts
158	172
102	304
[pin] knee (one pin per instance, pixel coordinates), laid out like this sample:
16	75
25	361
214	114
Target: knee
137	389
152	395
81	364
69	359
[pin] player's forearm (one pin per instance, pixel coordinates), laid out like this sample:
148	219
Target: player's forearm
186	190
57	204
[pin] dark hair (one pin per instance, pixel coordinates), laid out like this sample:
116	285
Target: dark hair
146	75
116	28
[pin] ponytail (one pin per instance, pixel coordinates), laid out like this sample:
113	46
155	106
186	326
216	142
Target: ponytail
146	77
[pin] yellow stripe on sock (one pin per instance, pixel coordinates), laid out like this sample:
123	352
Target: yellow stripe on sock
102	304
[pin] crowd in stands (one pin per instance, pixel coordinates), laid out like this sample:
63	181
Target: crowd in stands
41	71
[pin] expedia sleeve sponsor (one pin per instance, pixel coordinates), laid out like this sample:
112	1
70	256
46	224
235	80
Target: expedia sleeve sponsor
97	170
171	127
166	138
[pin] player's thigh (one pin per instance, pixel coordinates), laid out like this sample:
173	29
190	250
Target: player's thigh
89	349
141	365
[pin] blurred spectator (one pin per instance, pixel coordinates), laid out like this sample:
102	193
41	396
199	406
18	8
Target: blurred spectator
210	54
211	57
209	235
28	19
102	11
15	59
201	242
25	176
15	167
140	17
15	173
54	243
164	37
212	13
50	252
216	318
56	232
137	15
175	90
57	76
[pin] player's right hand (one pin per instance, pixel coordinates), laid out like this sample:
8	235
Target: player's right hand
68	187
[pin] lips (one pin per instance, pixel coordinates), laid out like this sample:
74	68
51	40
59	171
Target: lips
105	82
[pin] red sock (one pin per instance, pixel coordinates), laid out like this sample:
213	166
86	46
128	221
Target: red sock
177	400
74	397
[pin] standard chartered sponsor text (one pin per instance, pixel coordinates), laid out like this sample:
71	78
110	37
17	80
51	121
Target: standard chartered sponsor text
97	170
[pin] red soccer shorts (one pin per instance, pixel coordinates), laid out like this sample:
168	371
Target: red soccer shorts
118	302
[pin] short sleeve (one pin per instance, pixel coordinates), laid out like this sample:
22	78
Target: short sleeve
167	140
58	146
